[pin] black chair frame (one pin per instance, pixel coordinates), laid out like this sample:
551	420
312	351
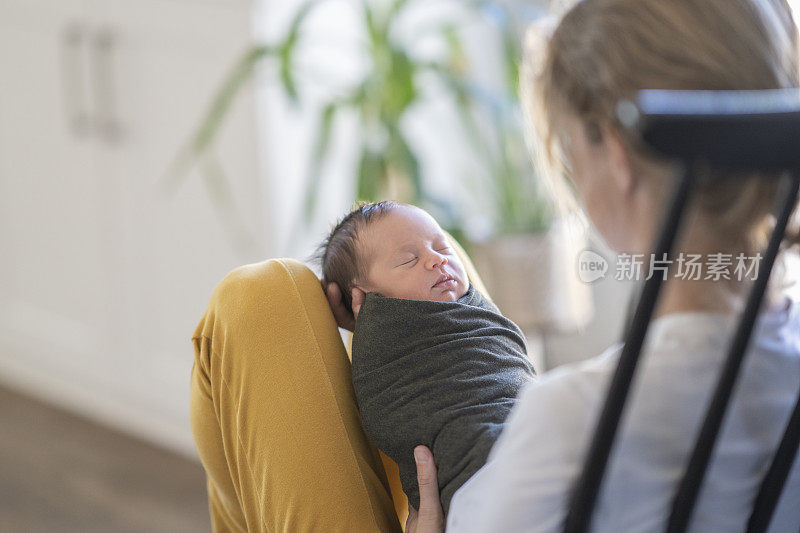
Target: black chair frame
737	131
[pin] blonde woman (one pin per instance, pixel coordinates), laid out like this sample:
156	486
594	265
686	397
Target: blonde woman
272	405
603	51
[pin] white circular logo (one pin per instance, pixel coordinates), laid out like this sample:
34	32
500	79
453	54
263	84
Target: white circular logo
591	266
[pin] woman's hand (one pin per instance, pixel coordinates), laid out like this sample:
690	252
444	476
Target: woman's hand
430	518
344	318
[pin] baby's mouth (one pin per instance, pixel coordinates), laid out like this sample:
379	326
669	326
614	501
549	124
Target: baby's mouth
444	278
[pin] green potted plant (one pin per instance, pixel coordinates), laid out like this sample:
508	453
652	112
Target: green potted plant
388	167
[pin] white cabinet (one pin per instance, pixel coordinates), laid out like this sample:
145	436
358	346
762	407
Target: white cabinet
102	275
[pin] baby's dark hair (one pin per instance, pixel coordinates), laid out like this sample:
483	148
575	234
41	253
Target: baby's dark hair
338	255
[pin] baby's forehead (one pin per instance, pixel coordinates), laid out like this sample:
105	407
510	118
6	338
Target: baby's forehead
403	227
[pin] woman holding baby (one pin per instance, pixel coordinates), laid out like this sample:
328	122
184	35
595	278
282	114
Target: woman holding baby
263	424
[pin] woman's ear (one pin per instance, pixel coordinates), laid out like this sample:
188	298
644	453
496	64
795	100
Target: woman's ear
619	161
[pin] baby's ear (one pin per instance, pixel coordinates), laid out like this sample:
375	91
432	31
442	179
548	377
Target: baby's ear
358	299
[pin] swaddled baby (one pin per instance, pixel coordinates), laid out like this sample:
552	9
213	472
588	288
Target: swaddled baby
434	362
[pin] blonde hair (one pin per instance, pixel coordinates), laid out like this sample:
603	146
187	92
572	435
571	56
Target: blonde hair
603	51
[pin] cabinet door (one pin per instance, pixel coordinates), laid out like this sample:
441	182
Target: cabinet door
164	60
103	276
55	239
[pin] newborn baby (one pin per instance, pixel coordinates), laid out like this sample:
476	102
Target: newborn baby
434	362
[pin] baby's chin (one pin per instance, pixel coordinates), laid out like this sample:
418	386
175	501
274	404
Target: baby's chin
434	295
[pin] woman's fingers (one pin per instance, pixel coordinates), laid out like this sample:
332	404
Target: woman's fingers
411	520
343	317
430	517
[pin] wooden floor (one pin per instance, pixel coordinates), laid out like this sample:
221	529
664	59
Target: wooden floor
61	473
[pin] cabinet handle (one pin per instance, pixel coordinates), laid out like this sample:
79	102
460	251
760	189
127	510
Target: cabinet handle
73	77
106	121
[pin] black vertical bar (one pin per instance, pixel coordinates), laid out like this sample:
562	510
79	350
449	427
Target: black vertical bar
772	486
633	302
689	488
585	491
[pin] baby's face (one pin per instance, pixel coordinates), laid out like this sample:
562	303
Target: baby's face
410	257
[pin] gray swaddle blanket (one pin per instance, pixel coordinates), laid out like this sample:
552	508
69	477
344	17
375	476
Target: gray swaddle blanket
442	374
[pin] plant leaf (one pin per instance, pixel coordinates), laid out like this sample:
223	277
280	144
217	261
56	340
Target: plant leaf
320	151
399	90
371	174
287	49
401	153
210	125
222	198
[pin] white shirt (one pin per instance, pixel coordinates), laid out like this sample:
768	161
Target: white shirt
531	468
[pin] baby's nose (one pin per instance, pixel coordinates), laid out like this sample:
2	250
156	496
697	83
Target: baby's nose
437	260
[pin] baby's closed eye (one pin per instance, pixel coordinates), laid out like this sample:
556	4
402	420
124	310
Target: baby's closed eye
409	261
